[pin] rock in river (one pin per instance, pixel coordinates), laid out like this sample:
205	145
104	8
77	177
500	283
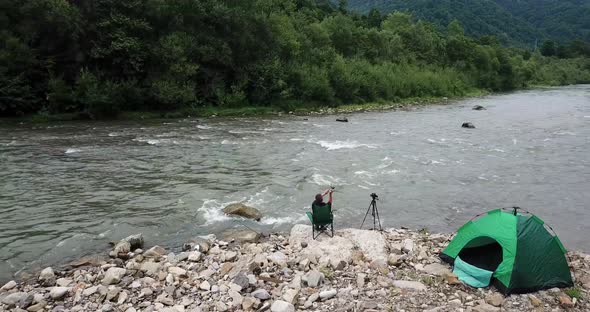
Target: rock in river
478	107
468	125
239	209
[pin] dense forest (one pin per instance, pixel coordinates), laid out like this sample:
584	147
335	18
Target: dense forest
514	22
102	57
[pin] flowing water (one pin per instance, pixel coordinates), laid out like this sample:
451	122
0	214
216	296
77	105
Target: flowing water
66	189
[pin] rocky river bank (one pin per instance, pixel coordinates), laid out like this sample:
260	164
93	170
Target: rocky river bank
357	270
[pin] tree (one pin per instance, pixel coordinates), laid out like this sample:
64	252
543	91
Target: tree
455	29
548	48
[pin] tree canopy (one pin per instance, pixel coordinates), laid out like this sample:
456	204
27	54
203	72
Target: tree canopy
102	57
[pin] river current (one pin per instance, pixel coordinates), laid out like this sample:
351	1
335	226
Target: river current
67	189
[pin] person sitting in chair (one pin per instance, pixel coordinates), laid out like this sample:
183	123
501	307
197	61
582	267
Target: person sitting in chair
319	202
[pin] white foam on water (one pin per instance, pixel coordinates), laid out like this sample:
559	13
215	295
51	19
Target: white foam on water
336	145
363	187
324	180
149	141
564	133
394	171
203	127
296	139
228	142
103	234
72	150
320	126
498	150
363	173
8	144
276	220
514	141
113	134
212	211
269	129
244	132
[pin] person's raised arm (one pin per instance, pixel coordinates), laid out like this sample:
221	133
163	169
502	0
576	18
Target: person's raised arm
330	198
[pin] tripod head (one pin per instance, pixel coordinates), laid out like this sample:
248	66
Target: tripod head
374	196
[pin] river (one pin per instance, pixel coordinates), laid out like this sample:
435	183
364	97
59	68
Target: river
67	189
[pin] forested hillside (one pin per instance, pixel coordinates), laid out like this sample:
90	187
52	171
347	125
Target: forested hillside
102	57
514	22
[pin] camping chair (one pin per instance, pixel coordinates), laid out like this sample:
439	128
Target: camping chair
321	217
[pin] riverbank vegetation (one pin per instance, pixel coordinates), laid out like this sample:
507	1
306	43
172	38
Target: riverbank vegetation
100	58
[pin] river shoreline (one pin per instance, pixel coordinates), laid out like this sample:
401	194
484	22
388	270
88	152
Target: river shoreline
357	270
260	111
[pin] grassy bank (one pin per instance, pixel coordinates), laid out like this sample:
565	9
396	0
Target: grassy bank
259	111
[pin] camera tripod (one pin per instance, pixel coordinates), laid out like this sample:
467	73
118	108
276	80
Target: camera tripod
374	212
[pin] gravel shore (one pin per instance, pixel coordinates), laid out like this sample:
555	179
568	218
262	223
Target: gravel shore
357	270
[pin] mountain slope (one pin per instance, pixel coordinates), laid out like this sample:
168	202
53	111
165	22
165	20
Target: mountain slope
519	22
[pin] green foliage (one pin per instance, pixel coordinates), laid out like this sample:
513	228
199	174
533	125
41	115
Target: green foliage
574	292
513	22
186	57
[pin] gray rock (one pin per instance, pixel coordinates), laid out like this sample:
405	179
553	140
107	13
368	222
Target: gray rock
176	271
113	276
261	294
122	248
195	256
313	278
282	306
26	301
107	308
8	286
221	307
38	306
495	299
484	307
58	292
239	209
313	297
155	252
290	295
63	282
47	277
136	241
241	280
242	236
478	107
436	269
327	294
408	246
468	125
205	286
14	298
150	268
412	285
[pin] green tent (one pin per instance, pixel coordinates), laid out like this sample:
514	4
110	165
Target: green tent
520	253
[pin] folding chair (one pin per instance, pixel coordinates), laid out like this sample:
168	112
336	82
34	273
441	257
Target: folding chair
321	217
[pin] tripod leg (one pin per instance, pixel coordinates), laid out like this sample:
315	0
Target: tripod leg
366	214
378	219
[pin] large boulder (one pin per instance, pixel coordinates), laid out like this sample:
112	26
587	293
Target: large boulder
239	209
339	248
478	107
